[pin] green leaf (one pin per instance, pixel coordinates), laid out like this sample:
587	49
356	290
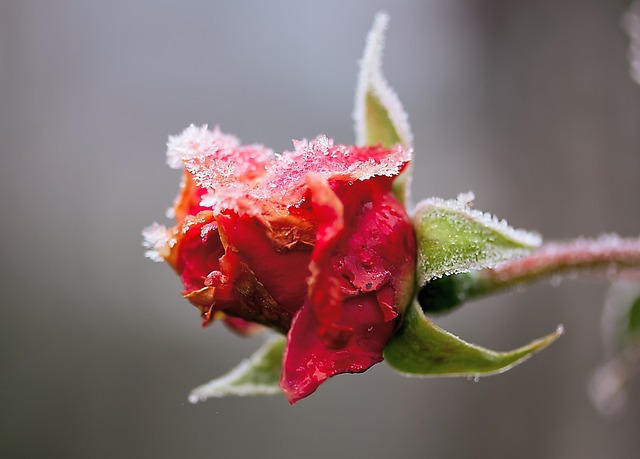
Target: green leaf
258	375
379	116
421	348
454	238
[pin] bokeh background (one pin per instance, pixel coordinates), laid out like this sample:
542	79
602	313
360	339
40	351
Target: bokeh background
529	104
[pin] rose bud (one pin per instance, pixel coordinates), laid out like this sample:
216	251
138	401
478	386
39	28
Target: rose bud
311	243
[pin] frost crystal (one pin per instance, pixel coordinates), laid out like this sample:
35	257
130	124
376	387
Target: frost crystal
198	142
371	80
155	237
245	178
454	238
463	205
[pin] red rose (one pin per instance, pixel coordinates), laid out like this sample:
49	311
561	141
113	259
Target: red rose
311	243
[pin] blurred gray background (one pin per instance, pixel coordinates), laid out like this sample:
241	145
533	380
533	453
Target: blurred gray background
529	104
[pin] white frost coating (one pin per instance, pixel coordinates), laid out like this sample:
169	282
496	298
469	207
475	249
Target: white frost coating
155	237
284	180
466	198
372	80
196	142
478	251
247	177
462	205
221	387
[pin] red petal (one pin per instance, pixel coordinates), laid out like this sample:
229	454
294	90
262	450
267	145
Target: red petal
196	250
282	271
310	358
344	330
188	201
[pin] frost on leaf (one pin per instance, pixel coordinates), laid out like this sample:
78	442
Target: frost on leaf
378	114
257	375
454	238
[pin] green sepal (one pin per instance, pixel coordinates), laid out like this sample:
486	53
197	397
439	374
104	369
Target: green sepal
448	292
421	348
257	375
380	130
379	116
454	238
379	127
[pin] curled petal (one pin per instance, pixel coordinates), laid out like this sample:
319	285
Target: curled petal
281	273
353	301
311	358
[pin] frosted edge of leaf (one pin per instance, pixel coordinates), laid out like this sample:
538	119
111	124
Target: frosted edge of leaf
489	257
371	78
462	205
225	385
489	262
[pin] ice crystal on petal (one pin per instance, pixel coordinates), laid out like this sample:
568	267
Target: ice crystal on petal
320	156
283	181
197	142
